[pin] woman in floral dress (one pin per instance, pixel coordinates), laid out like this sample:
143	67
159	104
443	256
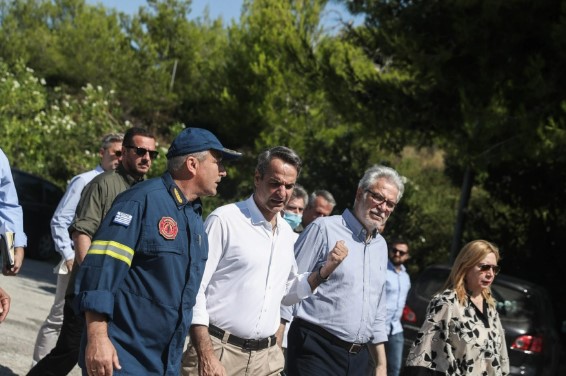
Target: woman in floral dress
462	333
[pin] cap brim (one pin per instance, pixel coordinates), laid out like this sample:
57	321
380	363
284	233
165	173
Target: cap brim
228	154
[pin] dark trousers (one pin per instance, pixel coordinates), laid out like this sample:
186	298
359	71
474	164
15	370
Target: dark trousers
310	354
64	356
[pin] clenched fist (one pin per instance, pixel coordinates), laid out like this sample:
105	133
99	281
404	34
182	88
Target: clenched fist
335	258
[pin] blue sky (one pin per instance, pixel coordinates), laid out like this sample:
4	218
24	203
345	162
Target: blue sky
227	9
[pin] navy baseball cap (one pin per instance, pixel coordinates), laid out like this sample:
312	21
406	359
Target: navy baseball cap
193	140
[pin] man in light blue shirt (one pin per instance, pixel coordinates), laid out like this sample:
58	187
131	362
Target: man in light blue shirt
397	288
11	214
338	329
110	153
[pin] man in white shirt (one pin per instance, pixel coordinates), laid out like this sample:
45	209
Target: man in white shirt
250	271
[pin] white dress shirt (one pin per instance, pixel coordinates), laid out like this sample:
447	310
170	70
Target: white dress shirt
250	271
65	213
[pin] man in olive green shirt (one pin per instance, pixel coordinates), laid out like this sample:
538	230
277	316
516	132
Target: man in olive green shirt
138	150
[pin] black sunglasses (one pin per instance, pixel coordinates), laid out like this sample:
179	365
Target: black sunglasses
140	152
485	267
395	250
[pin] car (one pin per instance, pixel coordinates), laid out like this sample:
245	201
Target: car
526	313
39	199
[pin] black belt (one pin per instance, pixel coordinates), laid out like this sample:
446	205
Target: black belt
353	348
244	344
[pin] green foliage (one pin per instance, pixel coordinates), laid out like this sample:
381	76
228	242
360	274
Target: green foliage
57	137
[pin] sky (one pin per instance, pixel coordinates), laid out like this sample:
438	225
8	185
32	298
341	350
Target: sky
227	9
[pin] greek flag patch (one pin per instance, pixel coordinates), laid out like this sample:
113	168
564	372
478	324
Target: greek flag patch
123	219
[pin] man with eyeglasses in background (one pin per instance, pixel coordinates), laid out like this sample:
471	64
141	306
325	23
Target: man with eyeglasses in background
138	151
110	153
341	329
397	287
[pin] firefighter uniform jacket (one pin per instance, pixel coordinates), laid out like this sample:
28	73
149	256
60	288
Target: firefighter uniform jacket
143	271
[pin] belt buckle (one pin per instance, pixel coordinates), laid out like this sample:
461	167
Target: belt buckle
250	345
355	348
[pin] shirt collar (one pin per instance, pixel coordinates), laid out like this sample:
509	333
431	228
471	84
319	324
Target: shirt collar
178	196
99	169
358	230
257	216
391	267
129	178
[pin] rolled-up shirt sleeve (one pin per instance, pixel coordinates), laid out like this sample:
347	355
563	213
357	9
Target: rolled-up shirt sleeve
216	232
11	213
63	217
89	210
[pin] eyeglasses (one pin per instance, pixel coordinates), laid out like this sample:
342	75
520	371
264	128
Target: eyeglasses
485	267
118	153
140	152
379	199
400	252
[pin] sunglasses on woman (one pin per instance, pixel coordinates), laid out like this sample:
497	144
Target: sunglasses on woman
485	267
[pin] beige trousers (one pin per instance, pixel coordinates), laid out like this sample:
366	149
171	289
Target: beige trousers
236	361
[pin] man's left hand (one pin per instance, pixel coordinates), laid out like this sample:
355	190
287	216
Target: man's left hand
18	261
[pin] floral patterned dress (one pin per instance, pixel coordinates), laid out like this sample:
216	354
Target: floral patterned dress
457	340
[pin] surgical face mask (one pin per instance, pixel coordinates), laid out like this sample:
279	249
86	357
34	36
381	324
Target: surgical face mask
292	219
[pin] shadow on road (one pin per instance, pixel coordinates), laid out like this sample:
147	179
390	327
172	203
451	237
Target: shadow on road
41	271
5	371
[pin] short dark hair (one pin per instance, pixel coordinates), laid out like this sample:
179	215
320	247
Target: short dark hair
399	241
284	153
136	131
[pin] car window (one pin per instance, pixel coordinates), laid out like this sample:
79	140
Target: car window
28	188
513	304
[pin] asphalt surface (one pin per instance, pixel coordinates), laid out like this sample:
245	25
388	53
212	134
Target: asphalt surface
32	293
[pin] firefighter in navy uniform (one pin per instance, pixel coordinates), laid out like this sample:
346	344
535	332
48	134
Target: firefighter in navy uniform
138	282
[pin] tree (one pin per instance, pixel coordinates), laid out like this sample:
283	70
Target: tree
53	138
480	80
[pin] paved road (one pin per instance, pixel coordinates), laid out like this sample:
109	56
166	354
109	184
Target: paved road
32	294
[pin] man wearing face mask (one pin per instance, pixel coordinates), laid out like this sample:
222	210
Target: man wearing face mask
293	212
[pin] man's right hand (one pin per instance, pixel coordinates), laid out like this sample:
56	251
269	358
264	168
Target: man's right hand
101	357
209	365
208	362
69	265
4	304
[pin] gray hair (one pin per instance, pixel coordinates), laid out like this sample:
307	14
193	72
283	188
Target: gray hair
111	138
300	192
175	163
284	153
321	193
376	172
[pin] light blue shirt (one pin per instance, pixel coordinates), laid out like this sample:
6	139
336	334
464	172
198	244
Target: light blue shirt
351	303
11	214
65	212
397	288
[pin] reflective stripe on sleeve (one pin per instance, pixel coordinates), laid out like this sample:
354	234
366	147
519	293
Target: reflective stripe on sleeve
112	249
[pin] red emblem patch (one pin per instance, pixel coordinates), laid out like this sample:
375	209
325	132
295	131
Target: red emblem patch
168	228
